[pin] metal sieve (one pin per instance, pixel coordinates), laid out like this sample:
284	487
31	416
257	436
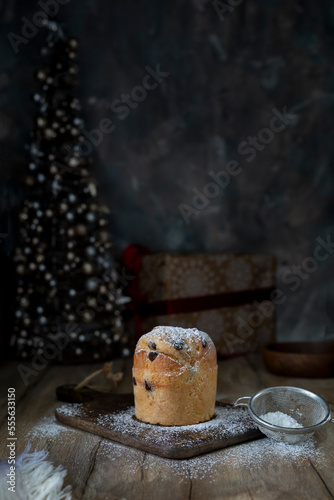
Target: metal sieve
309	409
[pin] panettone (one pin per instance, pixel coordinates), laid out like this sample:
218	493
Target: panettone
175	376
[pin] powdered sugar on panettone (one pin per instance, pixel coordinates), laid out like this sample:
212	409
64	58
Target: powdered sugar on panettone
187	345
176	333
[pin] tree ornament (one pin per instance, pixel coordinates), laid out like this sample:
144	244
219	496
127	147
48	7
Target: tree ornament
81	230
104	236
41	75
73	43
30	180
23	216
24	302
26	321
41	178
75	104
70	216
73	69
90	251
91	301
49	134
88	268
90	217
41	122
63	207
92	284
72	198
88	316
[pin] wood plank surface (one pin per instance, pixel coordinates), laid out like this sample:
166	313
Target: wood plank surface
10	377
100	469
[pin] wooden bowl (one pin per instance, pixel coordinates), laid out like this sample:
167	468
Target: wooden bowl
300	359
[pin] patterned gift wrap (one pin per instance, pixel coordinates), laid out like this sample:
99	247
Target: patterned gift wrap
225	295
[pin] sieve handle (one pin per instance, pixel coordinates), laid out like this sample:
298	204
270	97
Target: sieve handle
239	402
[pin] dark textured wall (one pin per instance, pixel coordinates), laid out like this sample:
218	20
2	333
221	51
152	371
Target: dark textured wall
230	70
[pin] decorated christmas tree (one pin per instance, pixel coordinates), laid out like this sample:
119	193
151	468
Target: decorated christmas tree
68	299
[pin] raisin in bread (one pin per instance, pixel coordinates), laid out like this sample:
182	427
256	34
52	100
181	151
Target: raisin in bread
175	376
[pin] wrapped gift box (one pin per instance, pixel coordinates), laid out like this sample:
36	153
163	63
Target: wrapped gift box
225	295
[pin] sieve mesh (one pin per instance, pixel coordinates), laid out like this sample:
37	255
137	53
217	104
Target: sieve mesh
306	410
309	409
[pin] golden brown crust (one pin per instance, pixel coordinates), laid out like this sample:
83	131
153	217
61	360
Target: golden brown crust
175	376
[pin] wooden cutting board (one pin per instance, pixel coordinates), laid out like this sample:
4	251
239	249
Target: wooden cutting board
112	416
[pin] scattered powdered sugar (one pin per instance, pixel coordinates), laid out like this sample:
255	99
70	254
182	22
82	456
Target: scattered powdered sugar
250	455
255	455
48	427
281	419
214	467
228	422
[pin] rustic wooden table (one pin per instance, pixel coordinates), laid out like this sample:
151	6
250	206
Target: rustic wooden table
101	469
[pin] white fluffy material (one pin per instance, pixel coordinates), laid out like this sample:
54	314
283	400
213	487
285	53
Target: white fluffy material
36	478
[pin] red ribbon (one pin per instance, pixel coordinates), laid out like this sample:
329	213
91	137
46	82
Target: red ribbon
202	303
132	257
